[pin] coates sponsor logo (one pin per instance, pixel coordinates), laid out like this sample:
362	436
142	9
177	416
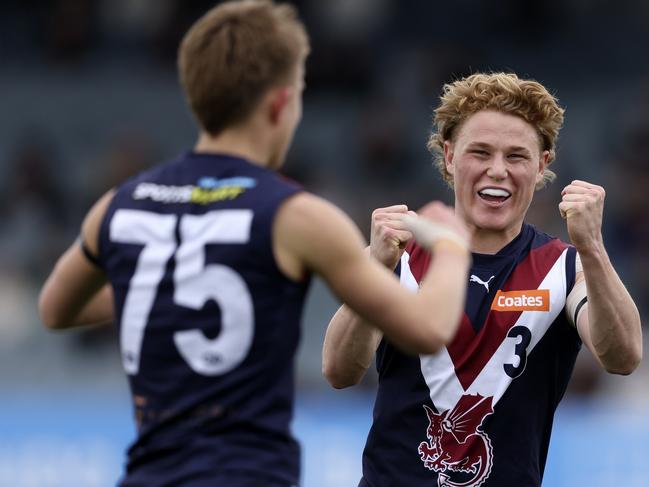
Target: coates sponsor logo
207	191
528	300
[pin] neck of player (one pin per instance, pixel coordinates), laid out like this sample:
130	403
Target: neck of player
485	241
234	142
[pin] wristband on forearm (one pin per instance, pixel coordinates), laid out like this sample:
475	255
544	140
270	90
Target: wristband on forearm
429	234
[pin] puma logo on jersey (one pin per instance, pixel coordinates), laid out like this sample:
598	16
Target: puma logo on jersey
475	278
529	300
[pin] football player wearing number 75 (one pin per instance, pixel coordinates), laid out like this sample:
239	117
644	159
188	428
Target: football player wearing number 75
479	411
204	262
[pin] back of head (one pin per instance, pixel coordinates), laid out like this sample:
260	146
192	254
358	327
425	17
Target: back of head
233	54
503	92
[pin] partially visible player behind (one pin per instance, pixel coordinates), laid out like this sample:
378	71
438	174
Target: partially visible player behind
204	262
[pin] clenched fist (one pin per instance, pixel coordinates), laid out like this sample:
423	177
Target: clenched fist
388	236
582	205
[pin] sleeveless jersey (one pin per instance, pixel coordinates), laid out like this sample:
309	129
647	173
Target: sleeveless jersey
479	412
208	323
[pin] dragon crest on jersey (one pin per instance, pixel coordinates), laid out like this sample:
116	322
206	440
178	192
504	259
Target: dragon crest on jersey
456	446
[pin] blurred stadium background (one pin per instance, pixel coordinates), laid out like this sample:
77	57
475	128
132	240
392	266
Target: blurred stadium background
88	96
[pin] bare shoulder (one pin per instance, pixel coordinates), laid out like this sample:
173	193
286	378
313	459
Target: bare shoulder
308	231
93	219
306	210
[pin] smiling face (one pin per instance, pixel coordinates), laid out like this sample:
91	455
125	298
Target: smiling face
496	161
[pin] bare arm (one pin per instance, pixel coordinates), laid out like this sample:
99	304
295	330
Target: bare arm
610	323
76	292
350	343
313	233
349	347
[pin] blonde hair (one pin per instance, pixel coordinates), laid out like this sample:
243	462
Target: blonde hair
506	93
233	54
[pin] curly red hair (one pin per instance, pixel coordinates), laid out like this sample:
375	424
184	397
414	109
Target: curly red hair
504	92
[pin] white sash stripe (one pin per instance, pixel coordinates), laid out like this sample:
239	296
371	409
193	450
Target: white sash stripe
407	279
435	368
438	369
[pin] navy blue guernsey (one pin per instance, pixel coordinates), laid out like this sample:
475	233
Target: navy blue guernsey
479	412
209	325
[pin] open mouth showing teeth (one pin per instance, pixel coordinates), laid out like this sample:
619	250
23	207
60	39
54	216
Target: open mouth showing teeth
494	194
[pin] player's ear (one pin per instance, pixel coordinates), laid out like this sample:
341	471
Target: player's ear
279	98
543	163
448	156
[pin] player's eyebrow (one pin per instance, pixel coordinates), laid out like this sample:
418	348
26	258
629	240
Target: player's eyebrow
486	145
516	148
481	145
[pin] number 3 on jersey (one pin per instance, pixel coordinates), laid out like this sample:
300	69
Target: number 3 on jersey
194	283
523	335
